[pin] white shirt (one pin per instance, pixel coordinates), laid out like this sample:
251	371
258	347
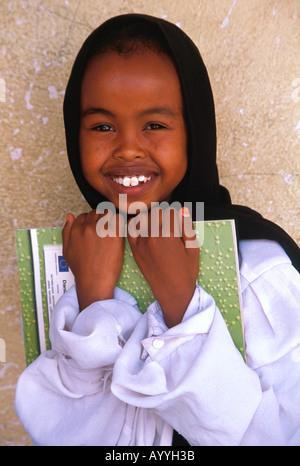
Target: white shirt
116	377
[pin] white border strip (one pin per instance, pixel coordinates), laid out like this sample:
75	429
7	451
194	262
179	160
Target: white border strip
37	288
2	350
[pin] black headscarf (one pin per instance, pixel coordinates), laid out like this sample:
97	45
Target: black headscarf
201	182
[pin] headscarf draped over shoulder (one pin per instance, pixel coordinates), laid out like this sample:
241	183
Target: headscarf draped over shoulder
201	182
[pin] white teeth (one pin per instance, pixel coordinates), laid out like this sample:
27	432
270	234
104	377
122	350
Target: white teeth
126	181
132	181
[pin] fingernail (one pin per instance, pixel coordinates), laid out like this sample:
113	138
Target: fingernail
185	212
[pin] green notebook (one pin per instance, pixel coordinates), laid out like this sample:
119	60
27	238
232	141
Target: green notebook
45	276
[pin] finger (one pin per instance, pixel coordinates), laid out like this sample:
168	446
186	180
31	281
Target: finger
188	233
92	217
164	222
155	218
171	226
105	224
80	220
70	219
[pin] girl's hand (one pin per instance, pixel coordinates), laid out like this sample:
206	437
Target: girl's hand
170	268
95	262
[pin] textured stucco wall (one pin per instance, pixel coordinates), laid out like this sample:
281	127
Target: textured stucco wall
251	48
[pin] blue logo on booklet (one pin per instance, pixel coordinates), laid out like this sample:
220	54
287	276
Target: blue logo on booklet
62	265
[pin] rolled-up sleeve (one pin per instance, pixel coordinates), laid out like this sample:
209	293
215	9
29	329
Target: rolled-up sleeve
64	397
191	375
195	379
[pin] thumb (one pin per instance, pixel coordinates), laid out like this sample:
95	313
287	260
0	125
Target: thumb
188	233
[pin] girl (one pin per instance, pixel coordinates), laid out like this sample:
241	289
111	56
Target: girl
139	107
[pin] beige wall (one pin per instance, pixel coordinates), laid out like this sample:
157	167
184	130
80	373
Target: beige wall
251	48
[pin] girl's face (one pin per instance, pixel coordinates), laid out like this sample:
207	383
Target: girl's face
132	131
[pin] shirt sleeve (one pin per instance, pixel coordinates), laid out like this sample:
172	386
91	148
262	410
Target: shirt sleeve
195	379
64	397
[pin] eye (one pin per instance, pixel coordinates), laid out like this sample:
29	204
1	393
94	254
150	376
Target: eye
155	126
104	128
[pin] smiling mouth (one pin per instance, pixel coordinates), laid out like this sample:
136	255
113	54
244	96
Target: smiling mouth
131	181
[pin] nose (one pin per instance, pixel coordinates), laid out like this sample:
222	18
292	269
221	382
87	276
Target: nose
129	147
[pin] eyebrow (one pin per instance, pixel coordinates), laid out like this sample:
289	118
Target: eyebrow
160	111
95	111
149	111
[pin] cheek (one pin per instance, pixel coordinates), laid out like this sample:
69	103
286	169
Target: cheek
178	164
89	157
82	142
86	160
182	157
88	168
181	169
174	172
